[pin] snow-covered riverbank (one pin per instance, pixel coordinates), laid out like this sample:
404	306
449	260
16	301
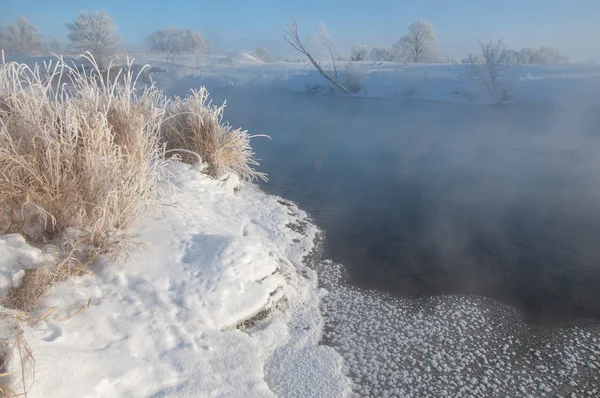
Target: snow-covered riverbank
218	302
169	321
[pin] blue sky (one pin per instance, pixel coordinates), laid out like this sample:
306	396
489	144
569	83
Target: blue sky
570	25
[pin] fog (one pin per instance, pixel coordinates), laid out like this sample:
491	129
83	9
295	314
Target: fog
432	198
446	153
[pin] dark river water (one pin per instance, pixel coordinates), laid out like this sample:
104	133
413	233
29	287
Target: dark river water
427	198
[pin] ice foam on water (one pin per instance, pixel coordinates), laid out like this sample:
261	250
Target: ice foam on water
452	346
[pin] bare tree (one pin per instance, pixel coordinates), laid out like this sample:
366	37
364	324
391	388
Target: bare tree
419	42
94	32
264	54
490	68
359	52
23	37
322	42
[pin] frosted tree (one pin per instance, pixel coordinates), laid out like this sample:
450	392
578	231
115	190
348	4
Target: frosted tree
174	40
527	55
56	47
314	49
359	52
23	37
400	50
453	60
490	68
156	40
548	55
94	32
195	42
419	43
379	53
264	54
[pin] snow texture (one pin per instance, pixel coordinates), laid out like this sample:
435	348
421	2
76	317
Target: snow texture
178	318
15	257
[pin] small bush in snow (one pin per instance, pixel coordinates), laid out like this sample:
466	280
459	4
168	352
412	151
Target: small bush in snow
359	52
96	33
353	80
195	125
264	54
490	68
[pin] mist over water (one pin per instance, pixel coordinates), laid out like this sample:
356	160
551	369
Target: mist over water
426	198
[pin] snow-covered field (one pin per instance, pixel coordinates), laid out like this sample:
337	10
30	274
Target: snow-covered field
218	303
538	84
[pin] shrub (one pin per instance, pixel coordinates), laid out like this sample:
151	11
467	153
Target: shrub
81	153
359	52
352	78
195	125
86	154
490	69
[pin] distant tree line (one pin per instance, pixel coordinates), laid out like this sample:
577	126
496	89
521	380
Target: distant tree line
97	33
93	32
419	45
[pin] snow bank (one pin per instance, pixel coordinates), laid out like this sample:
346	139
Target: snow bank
243	57
167	322
15	257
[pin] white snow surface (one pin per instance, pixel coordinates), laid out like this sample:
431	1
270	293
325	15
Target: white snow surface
166	322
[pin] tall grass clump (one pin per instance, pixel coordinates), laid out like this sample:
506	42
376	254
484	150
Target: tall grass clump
81	153
77	150
194	124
